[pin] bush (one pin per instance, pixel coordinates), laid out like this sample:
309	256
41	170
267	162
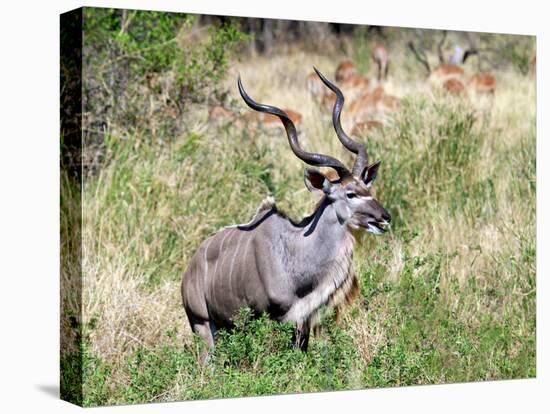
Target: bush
142	70
255	358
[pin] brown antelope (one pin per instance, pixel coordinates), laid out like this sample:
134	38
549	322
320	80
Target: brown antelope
269	121
441	73
451	77
354	84
221	115
344	70
315	86
348	78
380	58
390	103
454	87
361	128
479	83
447	71
481	91
366	104
482	83
373	105
328	101
286	268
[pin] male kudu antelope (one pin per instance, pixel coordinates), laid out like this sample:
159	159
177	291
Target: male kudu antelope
289	269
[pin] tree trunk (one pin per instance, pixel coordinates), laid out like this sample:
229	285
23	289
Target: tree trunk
267	36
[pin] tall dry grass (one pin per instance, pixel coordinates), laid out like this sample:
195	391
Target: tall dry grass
458	182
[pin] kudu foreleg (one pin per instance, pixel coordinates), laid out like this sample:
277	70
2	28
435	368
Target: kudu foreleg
301	337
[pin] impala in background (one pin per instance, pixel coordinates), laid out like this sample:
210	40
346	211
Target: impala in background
449	75
380	59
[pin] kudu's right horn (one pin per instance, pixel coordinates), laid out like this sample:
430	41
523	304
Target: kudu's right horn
352	145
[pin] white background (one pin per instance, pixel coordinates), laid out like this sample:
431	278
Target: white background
29	249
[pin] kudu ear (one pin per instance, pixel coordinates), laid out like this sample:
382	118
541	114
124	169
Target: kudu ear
369	173
316	181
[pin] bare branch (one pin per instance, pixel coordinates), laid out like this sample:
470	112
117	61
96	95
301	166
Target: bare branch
440	48
422	59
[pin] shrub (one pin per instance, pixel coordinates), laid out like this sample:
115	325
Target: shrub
142	69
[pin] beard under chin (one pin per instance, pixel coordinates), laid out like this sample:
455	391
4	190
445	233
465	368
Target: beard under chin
367	227
372	228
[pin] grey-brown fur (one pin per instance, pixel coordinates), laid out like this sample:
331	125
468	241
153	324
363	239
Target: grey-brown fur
276	265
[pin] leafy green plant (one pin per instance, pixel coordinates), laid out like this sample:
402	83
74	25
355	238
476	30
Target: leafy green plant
142	70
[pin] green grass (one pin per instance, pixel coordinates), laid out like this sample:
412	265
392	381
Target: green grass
443	301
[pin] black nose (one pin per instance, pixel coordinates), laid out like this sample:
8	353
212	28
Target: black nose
386	216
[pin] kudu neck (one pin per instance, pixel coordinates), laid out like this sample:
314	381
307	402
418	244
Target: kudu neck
325	223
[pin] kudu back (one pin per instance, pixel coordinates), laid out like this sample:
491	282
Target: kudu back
288	269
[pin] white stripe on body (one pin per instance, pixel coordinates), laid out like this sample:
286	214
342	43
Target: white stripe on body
206	257
219	252
233	263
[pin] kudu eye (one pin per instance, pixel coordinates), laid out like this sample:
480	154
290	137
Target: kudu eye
351	195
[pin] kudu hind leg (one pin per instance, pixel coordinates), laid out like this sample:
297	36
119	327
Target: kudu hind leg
206	330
